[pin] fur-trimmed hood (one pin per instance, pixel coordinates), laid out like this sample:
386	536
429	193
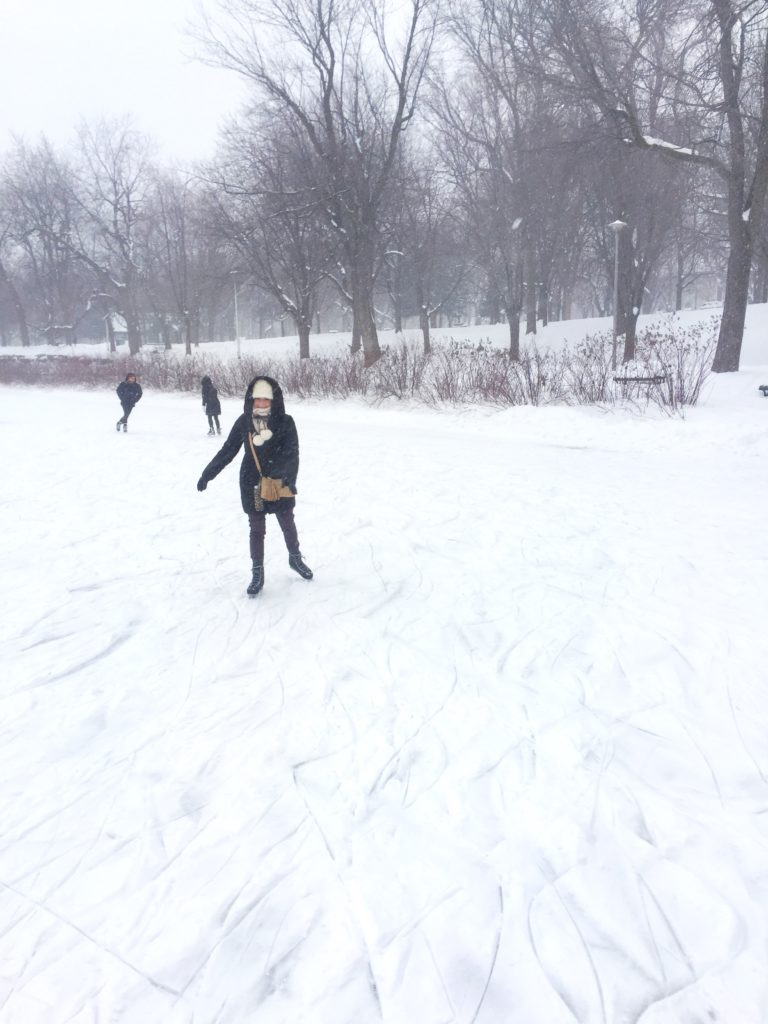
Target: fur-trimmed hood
277	412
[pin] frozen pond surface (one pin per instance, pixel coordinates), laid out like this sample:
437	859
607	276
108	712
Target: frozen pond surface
504	761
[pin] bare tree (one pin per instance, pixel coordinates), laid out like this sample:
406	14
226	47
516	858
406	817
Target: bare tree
9	286
41	216
330	69
183	253
430	256
114	179
685	81
271	221
480	165
556	152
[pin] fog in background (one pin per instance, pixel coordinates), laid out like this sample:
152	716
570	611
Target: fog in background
60	63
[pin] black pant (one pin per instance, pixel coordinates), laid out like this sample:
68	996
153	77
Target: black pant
127	410
258	525
213	419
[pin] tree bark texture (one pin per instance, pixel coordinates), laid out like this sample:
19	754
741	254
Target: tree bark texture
18	306
303	329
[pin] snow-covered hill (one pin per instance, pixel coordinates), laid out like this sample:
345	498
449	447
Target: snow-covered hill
553	336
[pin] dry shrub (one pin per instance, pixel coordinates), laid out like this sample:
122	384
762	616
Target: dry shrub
453	374
683	356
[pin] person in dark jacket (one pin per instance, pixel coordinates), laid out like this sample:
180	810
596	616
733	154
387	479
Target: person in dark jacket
271	448
129	392
211	404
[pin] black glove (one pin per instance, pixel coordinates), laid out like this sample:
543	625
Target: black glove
202	483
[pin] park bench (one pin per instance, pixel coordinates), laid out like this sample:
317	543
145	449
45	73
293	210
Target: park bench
764	389
659	378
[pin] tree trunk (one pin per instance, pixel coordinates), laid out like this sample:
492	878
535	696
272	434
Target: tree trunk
634	305
530	286
362	307
745	200
544	305
630	336
728	351
424	325
513	319
394	287
21	317
303	329
758	287
134	333
368	334
356	344
110	333
566	302
187	334
679	283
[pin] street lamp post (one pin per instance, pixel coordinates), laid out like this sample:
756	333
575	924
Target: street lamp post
617	226
234	274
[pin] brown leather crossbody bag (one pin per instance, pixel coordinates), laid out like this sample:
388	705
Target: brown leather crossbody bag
271	488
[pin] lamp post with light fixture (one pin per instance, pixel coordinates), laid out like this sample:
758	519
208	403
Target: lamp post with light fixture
234	275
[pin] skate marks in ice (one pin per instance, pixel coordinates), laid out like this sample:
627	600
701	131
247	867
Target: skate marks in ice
399	883
393	810
348	804
631	773
162	824
279	918
619	937
93	654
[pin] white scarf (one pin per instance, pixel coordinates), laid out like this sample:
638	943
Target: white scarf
262	432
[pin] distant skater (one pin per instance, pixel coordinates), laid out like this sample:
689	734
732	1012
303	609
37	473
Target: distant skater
212	405
267	473
129	392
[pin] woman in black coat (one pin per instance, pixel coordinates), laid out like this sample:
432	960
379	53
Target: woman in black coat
271	449
211	404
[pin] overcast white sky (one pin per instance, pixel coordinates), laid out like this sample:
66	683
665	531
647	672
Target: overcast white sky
61	60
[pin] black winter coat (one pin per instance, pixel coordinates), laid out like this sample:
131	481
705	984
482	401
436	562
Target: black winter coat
279	456
129	393
210	398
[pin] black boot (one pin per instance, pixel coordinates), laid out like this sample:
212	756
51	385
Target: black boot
257	580
298	565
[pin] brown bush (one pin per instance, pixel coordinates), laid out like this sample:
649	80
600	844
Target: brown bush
455	373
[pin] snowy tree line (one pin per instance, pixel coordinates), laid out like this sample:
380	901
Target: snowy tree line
461	161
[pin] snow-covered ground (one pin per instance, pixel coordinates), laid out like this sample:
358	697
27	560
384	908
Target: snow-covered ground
553	336
505	760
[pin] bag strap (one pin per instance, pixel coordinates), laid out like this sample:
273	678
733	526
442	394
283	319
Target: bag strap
253	453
